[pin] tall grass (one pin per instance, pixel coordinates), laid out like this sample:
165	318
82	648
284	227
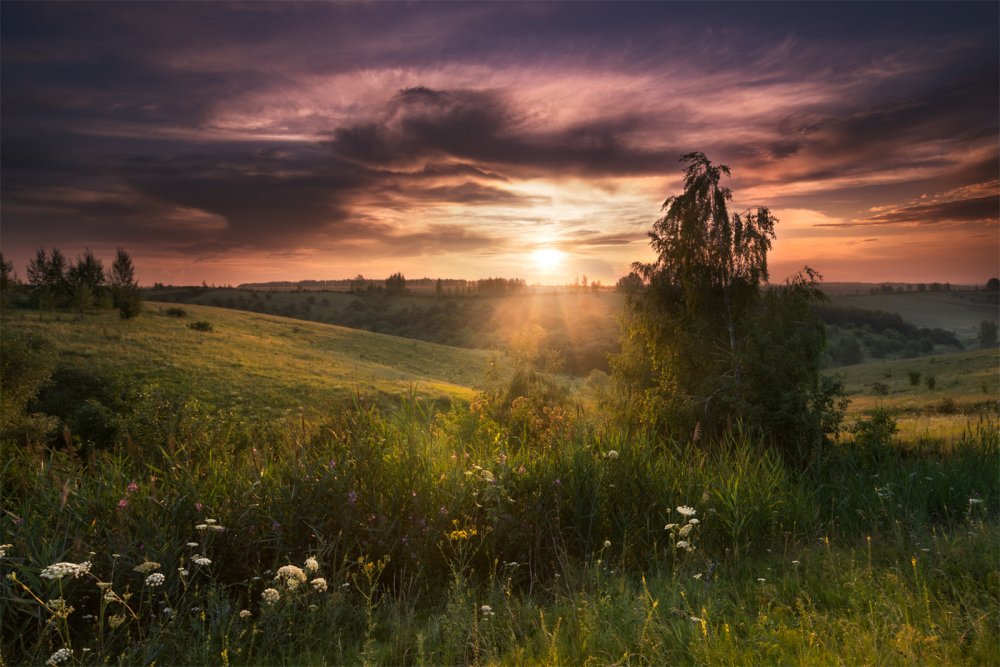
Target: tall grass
444	539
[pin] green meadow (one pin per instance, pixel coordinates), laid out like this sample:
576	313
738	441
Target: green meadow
278	491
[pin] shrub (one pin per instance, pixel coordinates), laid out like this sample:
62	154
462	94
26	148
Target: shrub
914	377
880	388
175	312
931	382
201	325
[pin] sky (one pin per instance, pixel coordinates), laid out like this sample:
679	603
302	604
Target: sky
233	143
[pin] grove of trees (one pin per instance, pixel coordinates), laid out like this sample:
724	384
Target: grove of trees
53	282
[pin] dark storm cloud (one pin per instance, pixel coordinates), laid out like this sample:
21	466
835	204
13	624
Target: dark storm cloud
483	127
974	209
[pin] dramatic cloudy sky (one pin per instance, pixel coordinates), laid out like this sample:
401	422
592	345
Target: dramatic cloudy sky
278	141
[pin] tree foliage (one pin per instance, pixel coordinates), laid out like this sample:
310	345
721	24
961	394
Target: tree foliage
706	344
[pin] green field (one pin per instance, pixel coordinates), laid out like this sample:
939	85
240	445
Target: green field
432	531
254	363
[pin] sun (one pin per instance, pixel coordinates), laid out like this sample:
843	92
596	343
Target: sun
548	259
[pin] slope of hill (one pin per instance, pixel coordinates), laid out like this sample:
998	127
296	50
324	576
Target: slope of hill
957	311
253	363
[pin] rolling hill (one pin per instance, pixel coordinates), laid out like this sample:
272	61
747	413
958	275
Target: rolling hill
253	363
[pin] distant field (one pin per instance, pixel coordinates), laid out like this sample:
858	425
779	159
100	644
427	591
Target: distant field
252	362
958	311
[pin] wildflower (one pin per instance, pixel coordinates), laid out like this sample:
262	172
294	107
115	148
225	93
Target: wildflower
352	498
487	611
62	655
612	454
122	504
270	595
687	511
184	572
198	506
695	619
245	613
60	570
3	549
443	511
192	544
146	567
795	562
557	482
167	611
698	576
155	579
291	576
975	501
116	620
132	487
319	584
313	607
693	522
761	579
211	521
685	530
682	544
670	526
198	559
607	544
217	529
201	526
312	565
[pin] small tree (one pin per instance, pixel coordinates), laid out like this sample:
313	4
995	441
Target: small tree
703	346
993	284
124	289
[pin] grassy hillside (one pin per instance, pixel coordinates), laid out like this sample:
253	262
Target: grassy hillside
250	362
571	330
934	399
958	311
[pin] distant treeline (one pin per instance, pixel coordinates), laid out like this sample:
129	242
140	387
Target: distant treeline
880	333
360	284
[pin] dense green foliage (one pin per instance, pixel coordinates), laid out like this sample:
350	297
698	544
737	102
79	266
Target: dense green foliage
704	347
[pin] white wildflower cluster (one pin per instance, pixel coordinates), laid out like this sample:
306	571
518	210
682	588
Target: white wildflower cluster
210	525
311	565
245	613
612	454
487	612
291	576
59	570
155	579
60	656
319	584
147	567
198	559
681	532
3	549
270	596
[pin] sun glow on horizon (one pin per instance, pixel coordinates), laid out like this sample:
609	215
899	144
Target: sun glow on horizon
548	260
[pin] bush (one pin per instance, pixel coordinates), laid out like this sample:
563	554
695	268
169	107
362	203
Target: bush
175	312
914	377
880	388
201	325
931	382
26	364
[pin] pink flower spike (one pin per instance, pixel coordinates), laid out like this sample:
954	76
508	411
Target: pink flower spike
198	506
122	503
133	487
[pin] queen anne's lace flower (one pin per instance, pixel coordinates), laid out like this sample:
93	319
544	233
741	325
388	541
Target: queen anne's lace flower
3	549
319	584
270	595
60	570
201	560
312	565
146	567
687	511
62	655
291	576
245	613
155	579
